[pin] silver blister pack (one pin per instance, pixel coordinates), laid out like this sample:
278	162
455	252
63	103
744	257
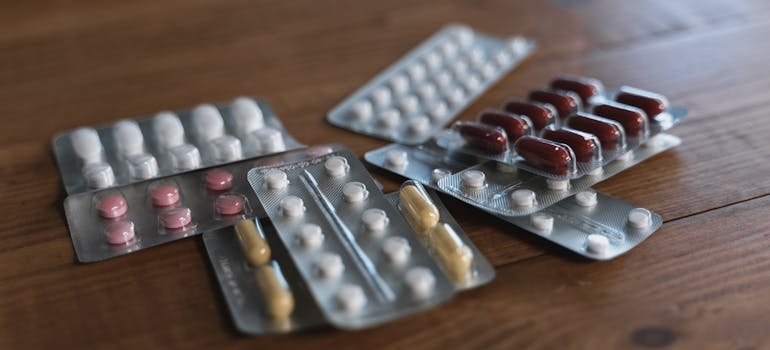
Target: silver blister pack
336	224
426	163
415	97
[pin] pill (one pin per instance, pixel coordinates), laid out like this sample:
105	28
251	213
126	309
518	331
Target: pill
399	84
523	198
310	237
87	145
464	36
218	180
505	168
418	207
597	244
540	115
584	87
542	222
375	220
438	110
460	69
449	49
502	58
455	95
128	137
229	204
207	122
546	155
586	198
471	83
253	242
276	179
246	116
516	45
169	131
142	166
419	124
513	125
396	158
185	157
328	266
354	192
350	298
454	254
433	61
585	146
270	140
651	103
438	174
99	175
227	148
473	178
565	102
625	157
409	104
633	119
119	232
420	281
396	250
609	132
278	297
361	110
427	91
557	184
164	195
176	218
640	218
484	137
381	97
292	206
488	70
336	166
595	172
389	118
476	56
443	80
112	206
416	72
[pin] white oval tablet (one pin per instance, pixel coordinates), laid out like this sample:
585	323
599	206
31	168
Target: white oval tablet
420	281
354	192
276	179
336	166
292	206
473	178
396	250
374	220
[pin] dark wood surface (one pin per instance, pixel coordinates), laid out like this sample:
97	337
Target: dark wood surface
701	282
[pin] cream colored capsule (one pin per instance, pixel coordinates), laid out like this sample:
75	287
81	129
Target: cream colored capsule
419	209
455	256
278	297
254	246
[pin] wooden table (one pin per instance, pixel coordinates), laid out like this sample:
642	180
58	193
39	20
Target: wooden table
702	281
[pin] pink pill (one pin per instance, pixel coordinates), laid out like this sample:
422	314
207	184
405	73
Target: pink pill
229	204
164	195
176	218
119	232
112	206
218	180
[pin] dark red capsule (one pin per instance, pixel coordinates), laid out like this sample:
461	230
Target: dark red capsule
633	119
608	132
566	103
540	115
584	145
584	87
513	125
651	103
545	155
485	137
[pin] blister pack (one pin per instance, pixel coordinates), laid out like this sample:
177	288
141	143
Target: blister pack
359	257
168	143
415	97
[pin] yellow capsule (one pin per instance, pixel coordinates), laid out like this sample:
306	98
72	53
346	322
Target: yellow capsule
278	297
419	209
254	246
455	256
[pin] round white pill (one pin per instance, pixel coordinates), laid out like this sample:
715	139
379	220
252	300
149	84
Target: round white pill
336	166
443	80
270	140
557	184
361	110
409	104
438	174
87	145
625	157
449	49
477	57
523	198
506	168
420	281
502	59
438	110
310	237
381	97
597	244
463	36
128	137
142	166
473	178
460	69
427	91
455	95
396	158
350	298
328	266
389	118
542	222
99	175
374	220
354	192
488	71
596	172
640	218
419	124
396	250
208	122
472	82
516	45
399	84
276	179
169	131
433	61
246	115
586	198
227	148
416	72
292	206
185	157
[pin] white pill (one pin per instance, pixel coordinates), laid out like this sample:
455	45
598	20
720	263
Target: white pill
586	198
399	84
455	95
542	221
354	192
270	140
381	97
488	71
438	174
361	110
185	157
350	298
449	49
433	61
375	220
128	137
396	250
625	157
169	131
328	266
473	178
87	145
597	244
336	166
389	118
419	124
396	158
409	104
310	237
292	206
640	218
503	58
276	179
427	91
208	122
460	69
516	45
464	36
420	281
477	57
438	110
416	72
443	80
226	148
506	168
472	82
142	166
596	172
523	198
99	175
246	115
557	184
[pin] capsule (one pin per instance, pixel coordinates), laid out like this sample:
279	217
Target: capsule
254	246
419	208
513	125
547	155
584	87
455	256
585	146
609	132
566	103
540	115
651	103
278	297
488	138
633	119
